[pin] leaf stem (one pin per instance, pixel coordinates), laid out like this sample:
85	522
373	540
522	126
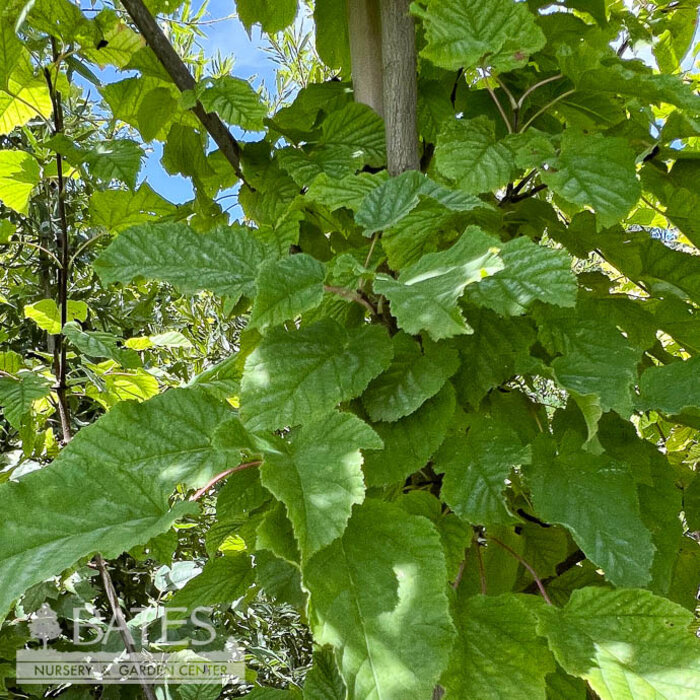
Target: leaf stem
351	296
542	110
222	475
533	573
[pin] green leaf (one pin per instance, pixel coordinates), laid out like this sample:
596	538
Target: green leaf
100	344
47	315
498	653
468	33
595	358
410	442
224	261
235	101
348	191
468	152
498	349
323	681
385	205
412	378
297	376
18	394
222	581
119	159
359	130
125	468
476	468
271	16
318	476
594	497
377	596
626	644
23	96
332	39
670	388
425	295
116	210
530	273
595	171
19	174
286	288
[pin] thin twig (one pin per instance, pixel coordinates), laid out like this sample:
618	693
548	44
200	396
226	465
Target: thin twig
222	475
118	615
351	296
533	573
181	76
87	243
37	246
480	565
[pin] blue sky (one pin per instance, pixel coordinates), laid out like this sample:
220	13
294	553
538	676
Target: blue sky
251	62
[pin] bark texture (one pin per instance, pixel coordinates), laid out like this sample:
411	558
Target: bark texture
364	29
400	86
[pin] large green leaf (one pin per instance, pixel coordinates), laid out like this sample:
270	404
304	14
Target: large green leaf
348	191
222	581
425	295
412	378
118	159
116	210
496	351
46	314
595	498
358	130
530	273
124	469
476	468
286	288
378	596
628	644
18	394
594	358
498	653
19	174
318	476
410	442
271	16
671	388
323	681
224	261
469	153
296	376
384	206
595	171
468	33
235	101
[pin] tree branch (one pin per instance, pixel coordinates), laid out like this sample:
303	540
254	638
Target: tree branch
124	631
59	354
181	76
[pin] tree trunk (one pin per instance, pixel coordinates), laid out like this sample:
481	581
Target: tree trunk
400	86
364	29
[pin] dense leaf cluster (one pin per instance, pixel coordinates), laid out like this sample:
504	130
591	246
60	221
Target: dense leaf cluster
458	432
